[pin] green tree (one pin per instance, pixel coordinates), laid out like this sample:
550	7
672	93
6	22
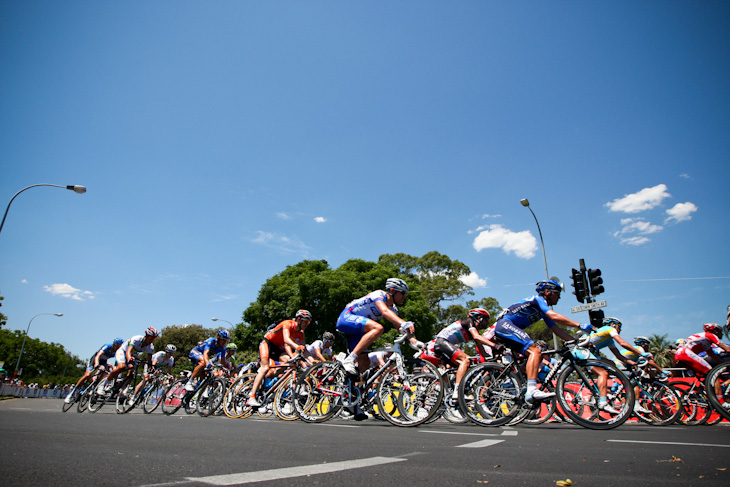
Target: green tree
3	318
659	347
324	291
41	362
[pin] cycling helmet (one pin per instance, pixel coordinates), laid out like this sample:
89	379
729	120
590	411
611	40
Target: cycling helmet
613	322
541	345
232	346
224	335
713	328
641	341
304	314
397	285
152	332
170	348
117	341
550	285
328	337
479	315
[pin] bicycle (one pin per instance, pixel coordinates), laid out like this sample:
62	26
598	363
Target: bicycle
82	393
662	401
99	399
275	396
408	392
205	398
719	374
492	394
155	393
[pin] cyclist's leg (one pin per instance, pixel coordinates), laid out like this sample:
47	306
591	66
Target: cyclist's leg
360	332
519	341
260	374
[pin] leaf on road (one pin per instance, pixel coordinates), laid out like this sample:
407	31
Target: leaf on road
720	468
673	459
564	483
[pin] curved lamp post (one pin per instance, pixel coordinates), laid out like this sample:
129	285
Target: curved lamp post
527	204
22	347
75	188
218	319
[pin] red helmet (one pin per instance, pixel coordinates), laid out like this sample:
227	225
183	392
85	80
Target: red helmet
479	315
713	328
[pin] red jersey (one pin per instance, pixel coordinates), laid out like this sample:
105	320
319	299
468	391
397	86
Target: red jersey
276	336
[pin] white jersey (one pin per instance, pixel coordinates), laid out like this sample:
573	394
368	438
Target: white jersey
374	356
136	343
366	307
455	333
318	345
159	359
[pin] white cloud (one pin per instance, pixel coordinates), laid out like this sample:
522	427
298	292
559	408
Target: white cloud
646	199
282	243
685	176
639	225
522	244
487	215
68	291
24	281
320	219
681	212
634	240
283	216
473	280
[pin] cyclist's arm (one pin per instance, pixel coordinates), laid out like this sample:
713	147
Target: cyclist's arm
562	333
625	345
290	345
319	355
621	357
479	339
562	320
391	315
96	359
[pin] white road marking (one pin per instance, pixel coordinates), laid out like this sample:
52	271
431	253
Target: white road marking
503	433
669	443
480	444
285	473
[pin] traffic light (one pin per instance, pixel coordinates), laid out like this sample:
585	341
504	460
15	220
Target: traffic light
579	283
596	317
595	281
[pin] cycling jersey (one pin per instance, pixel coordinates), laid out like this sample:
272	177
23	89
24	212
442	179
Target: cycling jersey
158	359
603	337
356	314
319	345
456	333
374	356
211	345
512	321
276	335
107	352
688	353
136	343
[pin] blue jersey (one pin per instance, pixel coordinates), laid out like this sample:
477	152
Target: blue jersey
211	344
106	351
527	312
366	306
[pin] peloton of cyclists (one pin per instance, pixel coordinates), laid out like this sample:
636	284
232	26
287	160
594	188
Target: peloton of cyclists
687	355
321	350
202	354
127	354
163	358
510	331
98	361
280	343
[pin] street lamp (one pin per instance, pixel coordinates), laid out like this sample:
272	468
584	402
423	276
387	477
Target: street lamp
218	319
527	204
22	347
75	188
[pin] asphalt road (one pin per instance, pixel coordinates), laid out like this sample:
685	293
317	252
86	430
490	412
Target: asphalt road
40	445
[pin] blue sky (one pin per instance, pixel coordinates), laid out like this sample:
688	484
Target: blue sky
222	141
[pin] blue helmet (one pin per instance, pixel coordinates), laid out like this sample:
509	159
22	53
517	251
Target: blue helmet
550	285
117	341
224	334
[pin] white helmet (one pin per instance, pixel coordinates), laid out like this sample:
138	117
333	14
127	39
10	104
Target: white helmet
397	284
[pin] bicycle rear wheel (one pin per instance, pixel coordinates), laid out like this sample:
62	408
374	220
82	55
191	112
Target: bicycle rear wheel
663	403
489	394
318	395
284	400
154	397
581	405
74	399
234	402
126	399
417	404
720	374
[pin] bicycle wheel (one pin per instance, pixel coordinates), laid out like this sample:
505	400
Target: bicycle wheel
174	397
663	403
126	399
234	402
489	394
581	405
542	411
68	405
719	375
154	396
83	400
210	397
284	400
318	395
416	405
697	408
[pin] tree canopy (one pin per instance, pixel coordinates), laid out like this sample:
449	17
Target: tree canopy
184	337
41	362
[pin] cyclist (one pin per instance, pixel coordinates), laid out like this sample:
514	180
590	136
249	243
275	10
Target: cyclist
280	343
687	355
321	350
127	354
227	359
96	362
447	344
163	358
512	321
358	322
204	352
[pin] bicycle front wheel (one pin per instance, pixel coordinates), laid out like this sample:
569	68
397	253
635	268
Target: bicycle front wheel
663	403
578	393
210	397
318	394
418	398
489	394
717	385
284	400
174	397
154	397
